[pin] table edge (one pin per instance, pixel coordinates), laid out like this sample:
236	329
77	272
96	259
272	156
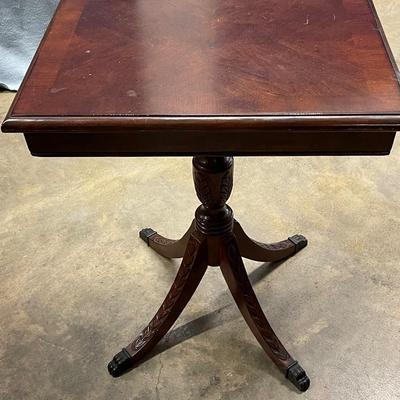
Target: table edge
385	40
128	123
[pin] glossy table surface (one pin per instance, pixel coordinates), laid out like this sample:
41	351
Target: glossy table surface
265	67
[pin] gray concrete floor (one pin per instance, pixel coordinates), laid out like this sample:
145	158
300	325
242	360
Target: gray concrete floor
76	282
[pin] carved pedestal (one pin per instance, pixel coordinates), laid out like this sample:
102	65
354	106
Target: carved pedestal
214	239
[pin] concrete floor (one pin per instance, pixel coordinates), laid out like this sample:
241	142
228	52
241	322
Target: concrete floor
76	282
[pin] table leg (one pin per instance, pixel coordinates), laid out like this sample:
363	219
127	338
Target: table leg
166	247
238	282
258	251
191	271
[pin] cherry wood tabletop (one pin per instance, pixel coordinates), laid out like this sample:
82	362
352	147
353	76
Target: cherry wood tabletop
153	77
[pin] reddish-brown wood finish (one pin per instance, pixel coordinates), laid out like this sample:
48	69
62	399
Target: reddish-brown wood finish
167	247
191	271
226	57
211	77
258	251
211	141
190	77
214	239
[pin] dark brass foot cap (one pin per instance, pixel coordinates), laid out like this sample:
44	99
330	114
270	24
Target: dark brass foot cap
299	241
120	363
145	234
298	377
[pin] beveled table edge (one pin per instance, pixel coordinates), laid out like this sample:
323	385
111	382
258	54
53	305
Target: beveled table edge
128	123
385	41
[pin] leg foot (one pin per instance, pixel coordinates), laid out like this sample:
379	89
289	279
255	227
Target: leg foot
120	363
191	271
146	233
166	247
298	377
258	251
299	242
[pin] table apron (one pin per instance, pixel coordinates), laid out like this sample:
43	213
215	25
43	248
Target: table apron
224	142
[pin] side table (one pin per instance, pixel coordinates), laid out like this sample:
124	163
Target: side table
212	80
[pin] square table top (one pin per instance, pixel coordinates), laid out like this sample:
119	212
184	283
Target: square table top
132	77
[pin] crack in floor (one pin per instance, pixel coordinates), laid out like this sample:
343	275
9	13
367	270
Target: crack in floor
158	377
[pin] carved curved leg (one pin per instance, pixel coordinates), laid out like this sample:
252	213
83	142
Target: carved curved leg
236	277
166	247
190	273
257	251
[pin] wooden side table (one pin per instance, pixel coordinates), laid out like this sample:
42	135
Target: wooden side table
211	80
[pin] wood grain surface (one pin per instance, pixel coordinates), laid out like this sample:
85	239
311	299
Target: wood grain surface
229	57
